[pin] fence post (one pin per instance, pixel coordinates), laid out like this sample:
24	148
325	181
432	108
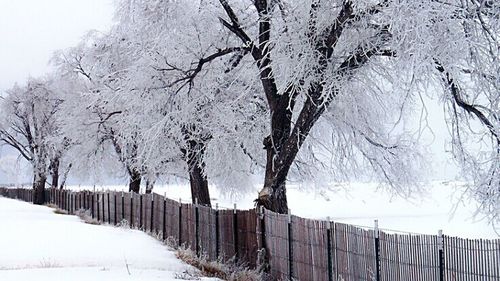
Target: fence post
290	246
441	254
115	209
92	205
197	227
152	212
235	232
123	206
262	219
103	209
97	202
180	222
164	228
140	212
377	251
131	209
329	248
217	238
109	208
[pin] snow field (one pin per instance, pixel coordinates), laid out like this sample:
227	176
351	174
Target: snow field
36	244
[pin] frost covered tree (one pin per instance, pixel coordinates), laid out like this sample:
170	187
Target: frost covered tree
29	123
469	70
186	120
99	118
329	87
318	59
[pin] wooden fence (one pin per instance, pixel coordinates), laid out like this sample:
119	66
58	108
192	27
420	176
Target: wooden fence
296	248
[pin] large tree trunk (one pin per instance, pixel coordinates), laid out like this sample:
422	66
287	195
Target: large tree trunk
39	189
199	185
273	194
197	178
135	181
54	172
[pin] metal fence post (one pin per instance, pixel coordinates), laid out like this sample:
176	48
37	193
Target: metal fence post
262	220
441	254
109	208
123	206
164	228
140	212
290	246
152	212
329	248
217	234
197	227
92	205
115	209
377	251
131	209
97	202
235	232
180	222
103	209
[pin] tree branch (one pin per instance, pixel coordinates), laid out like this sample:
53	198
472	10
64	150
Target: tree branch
469	108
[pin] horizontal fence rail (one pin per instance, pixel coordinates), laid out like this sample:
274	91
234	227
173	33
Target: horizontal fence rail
287	247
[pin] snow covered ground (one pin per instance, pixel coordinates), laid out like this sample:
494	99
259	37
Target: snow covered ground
441	205
36	244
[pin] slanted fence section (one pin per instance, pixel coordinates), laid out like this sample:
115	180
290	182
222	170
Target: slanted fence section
295	248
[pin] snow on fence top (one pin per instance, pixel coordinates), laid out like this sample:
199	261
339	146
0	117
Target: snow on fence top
295	248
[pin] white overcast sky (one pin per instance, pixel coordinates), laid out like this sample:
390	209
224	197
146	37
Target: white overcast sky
31	30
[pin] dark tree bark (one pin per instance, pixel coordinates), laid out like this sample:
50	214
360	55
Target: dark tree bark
197	179
54	172
135	181
199	183
39	189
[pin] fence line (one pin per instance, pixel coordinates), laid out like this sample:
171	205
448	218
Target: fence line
296	248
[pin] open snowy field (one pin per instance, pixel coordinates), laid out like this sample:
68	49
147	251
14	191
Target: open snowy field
36	244
441	205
